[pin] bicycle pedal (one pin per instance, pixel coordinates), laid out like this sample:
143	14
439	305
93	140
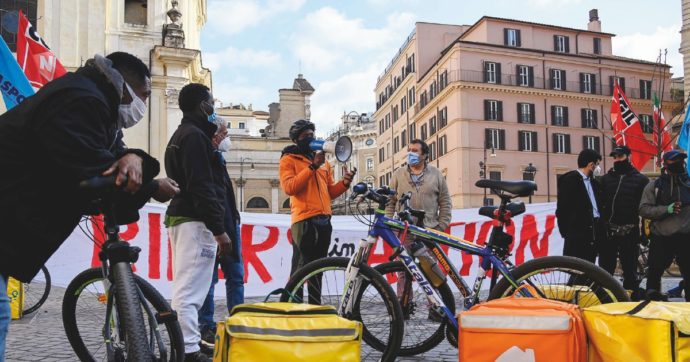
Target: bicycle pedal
165	317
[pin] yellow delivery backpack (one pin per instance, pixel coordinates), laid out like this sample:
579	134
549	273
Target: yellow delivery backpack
15	290
632	331
287	332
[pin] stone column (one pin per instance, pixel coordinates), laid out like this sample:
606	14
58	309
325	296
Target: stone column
275	202
685	44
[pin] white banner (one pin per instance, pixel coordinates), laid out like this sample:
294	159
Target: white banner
267	249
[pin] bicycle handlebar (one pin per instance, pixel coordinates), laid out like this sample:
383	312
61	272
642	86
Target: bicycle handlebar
100	183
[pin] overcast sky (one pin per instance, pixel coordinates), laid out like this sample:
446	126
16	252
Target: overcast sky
255	47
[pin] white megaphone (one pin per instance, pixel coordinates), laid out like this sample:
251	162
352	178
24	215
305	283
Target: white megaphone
342	148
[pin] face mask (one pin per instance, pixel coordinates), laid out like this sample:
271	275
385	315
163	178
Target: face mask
675	168
413	158
224	145
597	171
131	114
212	116
303	144
622	165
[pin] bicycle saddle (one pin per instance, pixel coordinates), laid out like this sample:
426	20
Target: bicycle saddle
516	188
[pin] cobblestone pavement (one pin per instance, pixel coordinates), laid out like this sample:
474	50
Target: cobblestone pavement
40	336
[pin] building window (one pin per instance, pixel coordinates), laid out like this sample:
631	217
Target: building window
388	149
525	76
422	99
403	105
413	132
495	175
442	118
645	89
432	90
561	44
432	126
432	151
561	143
388	120
257	203
647	123
380	127
396	144
558	79
589	118
597	45
493	110
495	138
588	83
526	113
590	142
423	132
403	138
409	64
527	141
488	201
442	145
443	80
286	204
241	125
559	116
370	164
135	12
8	21
411	96
381	155
395	113
615	79
492	72
511	37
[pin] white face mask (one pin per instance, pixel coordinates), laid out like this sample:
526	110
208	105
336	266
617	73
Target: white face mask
224	145
597	171
131	114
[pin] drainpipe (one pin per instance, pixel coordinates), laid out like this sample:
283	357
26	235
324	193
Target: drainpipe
548	158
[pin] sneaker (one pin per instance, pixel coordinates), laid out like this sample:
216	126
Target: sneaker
653	294
208	338
197	357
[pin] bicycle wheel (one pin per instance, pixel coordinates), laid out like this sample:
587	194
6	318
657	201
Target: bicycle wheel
376	305
566	279
424	327
36	292
83	315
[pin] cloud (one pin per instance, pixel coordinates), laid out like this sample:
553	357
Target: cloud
646	46
234	91
326	38
241	58
543	3
230	17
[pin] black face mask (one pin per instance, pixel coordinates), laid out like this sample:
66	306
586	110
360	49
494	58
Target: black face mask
622	166
676	168
303	145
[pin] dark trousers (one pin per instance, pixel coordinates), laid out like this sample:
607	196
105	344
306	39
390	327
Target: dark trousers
310	241
627	249
662	250
583	246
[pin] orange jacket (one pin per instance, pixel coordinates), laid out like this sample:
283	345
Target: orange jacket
310	191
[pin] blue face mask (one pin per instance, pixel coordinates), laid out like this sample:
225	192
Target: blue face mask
212	117
413	158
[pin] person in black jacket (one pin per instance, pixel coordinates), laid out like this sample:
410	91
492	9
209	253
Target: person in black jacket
578	205
196	216
69	131
622	188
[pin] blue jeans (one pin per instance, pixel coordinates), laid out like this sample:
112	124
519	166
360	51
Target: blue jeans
234	288
5	315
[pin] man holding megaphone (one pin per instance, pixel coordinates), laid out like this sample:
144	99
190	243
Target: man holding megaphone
307	178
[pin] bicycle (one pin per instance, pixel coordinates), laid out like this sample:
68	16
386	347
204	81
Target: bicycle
572	280
36	291
121	297
643	264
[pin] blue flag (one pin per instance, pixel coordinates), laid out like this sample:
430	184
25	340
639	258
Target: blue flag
13	83
684	137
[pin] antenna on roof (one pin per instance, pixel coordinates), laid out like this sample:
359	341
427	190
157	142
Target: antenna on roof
299	66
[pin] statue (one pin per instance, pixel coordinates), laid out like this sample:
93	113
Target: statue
173	34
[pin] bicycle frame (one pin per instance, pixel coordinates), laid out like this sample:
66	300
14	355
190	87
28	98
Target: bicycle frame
383	228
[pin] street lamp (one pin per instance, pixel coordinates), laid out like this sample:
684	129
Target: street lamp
530	172
242	181
482	169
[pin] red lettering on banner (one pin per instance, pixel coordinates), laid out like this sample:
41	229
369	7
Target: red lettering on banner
99	238
470	230
530	234
482	238
289	235
249	251
154	246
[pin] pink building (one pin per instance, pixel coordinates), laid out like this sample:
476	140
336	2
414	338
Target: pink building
532	93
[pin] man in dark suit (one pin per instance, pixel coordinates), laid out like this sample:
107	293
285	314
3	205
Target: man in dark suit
577	209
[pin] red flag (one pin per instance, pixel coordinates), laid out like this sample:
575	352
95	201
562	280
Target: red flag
34	57
627	130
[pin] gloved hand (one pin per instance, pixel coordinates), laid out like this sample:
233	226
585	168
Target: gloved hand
674	208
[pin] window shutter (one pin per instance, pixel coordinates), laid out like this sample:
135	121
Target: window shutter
487	138
532	115
553	115
502	139
564	85
582	82
486	72
505	36
554	143
611	84
595	118
584	142
530	76
498	73
567	44
597	144
519	113
567	143
499	107
622	81
552	73
583	116
535	142
555	43
642	89
517	37
517	74
565	116
486	110
593	77
521	143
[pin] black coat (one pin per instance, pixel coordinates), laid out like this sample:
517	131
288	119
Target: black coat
231	218
191	161
622	191
65	133
573	208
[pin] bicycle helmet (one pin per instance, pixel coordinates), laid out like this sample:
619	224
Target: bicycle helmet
300	126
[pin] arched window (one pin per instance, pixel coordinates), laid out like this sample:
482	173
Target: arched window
286	204
257	203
